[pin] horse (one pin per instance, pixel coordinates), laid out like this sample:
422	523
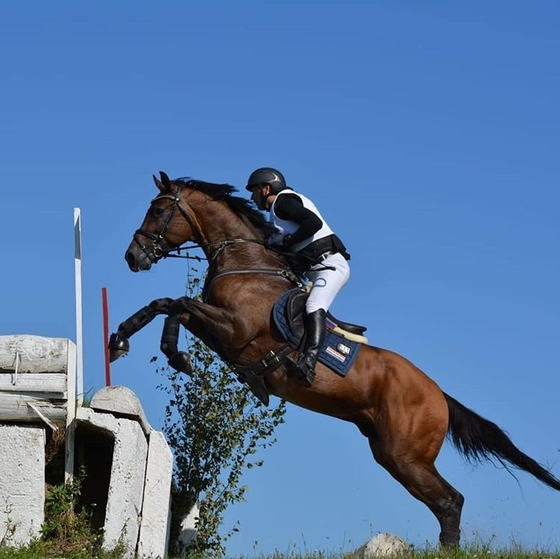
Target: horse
404	414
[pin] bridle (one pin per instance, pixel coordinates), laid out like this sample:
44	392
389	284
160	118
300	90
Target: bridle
158	251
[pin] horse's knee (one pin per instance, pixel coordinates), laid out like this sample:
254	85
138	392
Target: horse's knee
179	306
161	306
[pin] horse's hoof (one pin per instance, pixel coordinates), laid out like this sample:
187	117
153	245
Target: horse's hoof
118	346
181	362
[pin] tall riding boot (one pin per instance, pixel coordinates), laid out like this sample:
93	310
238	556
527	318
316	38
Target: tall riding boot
315	323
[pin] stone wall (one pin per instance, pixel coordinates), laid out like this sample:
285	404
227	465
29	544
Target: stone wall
128	464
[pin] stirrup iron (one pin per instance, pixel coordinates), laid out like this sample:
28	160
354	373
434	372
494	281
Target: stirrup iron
294	368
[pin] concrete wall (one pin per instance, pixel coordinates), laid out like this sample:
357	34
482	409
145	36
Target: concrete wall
130	474
22	483
139	489
128	464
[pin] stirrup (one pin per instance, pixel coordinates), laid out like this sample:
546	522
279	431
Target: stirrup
295	369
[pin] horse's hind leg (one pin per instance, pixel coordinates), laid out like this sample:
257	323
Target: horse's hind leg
417	473
118	343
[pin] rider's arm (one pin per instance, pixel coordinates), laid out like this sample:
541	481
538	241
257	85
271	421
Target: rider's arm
291	208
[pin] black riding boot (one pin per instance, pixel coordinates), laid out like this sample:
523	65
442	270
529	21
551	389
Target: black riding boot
315	336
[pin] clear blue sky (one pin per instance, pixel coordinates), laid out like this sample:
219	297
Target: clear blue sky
428	135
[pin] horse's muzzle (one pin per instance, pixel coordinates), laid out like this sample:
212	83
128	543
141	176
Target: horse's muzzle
137	262
131	261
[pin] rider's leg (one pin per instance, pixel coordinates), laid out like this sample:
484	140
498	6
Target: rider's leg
328	279
315	324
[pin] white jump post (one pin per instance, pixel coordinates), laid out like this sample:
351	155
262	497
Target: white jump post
79	321
75	357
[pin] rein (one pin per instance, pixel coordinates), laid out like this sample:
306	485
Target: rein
285	273
166	253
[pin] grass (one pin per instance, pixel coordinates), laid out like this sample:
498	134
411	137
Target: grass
38	550
67	534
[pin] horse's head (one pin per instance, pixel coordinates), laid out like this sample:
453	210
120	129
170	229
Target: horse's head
192	210
165	227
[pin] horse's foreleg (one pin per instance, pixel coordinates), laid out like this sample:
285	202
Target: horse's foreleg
213	325
118	343
178	360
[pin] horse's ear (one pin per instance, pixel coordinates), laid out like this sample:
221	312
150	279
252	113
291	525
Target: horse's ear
165	179
164	184
158	183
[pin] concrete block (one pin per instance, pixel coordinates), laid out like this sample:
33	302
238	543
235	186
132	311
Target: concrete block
126	485
22	483
155	524
121	402
188	530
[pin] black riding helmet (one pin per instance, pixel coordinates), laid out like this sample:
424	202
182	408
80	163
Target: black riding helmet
267	175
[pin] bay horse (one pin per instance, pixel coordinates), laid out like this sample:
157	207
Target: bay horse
404	414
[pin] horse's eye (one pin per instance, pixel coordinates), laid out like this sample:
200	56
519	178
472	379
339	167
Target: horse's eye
158	211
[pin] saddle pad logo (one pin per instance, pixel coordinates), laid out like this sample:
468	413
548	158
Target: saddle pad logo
344	349
337	354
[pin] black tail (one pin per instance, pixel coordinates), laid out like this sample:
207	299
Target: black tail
479	439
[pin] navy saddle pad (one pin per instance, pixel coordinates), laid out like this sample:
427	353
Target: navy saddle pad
337	353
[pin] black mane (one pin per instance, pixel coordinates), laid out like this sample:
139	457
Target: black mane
240	206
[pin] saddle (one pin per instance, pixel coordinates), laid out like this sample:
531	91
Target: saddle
294	309
342	340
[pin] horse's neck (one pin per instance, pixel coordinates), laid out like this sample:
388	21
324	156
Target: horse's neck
230	242
241	254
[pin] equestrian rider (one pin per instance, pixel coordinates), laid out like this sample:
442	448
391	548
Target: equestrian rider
319	253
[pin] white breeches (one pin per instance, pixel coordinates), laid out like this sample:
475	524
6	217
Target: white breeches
326	282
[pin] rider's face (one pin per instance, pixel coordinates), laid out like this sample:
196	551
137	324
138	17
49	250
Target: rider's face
259	195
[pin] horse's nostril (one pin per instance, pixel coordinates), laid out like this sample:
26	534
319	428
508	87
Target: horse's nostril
129	257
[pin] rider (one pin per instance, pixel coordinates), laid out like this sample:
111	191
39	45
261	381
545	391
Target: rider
301	229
